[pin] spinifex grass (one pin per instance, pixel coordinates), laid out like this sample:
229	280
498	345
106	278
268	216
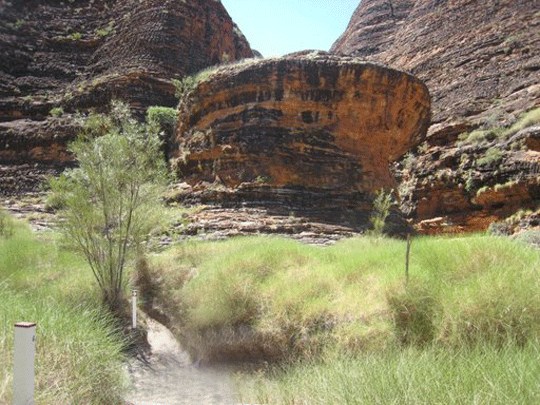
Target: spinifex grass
408	376
464	330
464	289
78	353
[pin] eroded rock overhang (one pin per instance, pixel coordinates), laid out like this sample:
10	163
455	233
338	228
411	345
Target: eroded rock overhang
310	121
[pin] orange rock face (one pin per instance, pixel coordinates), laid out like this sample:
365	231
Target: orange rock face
310	121
480	62
78	55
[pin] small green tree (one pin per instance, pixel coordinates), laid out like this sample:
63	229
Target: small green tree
110	201
381	208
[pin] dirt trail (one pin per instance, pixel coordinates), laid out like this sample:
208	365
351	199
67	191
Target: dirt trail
169	378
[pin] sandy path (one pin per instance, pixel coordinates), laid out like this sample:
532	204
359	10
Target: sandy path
169	377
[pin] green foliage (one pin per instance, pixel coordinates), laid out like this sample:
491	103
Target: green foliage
348	296
161	116
414	311
75	36
527	120
7	227
507	225
163	119
111	200
56	112
381	208
19	23
103	32
479	375
492	157
484	136
465	330
185	87
78	352
225	58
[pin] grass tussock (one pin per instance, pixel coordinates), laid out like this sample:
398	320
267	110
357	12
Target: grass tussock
78	352
485	136
464	330
352	296
410	376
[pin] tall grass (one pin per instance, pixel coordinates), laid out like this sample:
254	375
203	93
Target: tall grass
462	289
78	352
464	330
478	375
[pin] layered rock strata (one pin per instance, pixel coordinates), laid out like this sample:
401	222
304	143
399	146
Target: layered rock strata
78	55
309	132
480	61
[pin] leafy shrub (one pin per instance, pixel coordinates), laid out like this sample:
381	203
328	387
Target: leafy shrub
110	201
381	208
163	119
161	116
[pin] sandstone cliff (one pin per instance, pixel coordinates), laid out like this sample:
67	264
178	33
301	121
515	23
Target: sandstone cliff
310	133
480	61
78	55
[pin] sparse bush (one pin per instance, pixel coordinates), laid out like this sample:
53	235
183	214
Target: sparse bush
56	112
184	88
500	228
381	208
491	157
527	120
111	200
75	36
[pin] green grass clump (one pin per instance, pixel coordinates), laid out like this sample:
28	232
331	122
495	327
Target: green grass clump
478	375
352	296
528	119
78	352
7	227
465	329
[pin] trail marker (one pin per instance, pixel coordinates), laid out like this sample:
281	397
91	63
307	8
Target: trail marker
134	309
23	367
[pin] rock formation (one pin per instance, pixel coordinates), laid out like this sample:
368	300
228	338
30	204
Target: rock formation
480	61
76	55
308	132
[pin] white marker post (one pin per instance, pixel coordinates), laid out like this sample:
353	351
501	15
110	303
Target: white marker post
134	309
23	376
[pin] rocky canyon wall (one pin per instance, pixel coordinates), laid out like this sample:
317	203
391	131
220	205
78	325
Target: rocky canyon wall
68	56
481	63
308	132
